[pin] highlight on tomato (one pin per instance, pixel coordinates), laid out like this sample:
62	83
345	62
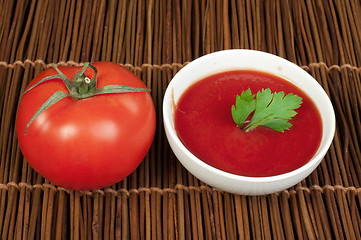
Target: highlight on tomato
87	127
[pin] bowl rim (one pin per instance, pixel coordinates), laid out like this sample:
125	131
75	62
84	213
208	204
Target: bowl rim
169	124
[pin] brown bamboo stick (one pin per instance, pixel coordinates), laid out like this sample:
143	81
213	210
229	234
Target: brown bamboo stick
107	208
82	217
307	221
75	33
323	215
187	218
217	215
249	21
112	15
12	219
118	218
95	220
314	215
77	215
148	76
324	32
9	209
35	209
154	157
192	196
296	216
125	212
128	35
21	205
281	51
226	27
133	198
141	183
119	31
88	31
25	229
345	214
112	214
105	35
239	217
4	166
256	12
180	204
355	218
265	218
59	219
230	233
7	48
98	32
5	23
83	30
289	32
196	31
277	228
340	7
206	43
286	216
44	211
159	13
66	34
72	213
234	25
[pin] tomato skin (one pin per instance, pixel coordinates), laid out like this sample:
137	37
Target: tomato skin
90	143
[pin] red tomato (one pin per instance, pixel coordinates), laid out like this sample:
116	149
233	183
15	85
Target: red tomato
89	143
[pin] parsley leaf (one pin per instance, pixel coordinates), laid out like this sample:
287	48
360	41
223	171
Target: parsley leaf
271	110
245	105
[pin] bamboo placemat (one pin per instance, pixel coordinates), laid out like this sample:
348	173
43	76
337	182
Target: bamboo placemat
154	39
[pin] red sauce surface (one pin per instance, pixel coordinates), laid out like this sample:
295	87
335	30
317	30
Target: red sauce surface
204	123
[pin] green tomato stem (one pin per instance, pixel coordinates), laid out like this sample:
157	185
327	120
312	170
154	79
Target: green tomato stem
79	87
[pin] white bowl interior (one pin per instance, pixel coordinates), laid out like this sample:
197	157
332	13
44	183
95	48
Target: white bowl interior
251	60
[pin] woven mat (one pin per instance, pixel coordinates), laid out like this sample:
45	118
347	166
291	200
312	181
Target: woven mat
154	39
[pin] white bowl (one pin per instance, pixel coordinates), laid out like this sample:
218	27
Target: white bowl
251	60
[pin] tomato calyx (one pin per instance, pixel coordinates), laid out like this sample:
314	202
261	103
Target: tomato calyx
80	87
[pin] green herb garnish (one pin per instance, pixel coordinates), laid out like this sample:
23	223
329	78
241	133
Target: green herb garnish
271	110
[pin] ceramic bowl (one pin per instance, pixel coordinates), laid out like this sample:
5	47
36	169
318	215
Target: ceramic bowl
239	59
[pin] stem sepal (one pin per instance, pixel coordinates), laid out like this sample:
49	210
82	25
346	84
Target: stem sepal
80	87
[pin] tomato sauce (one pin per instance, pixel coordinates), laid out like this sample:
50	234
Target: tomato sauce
204	123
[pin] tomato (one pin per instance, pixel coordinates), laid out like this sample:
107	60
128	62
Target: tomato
87	143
